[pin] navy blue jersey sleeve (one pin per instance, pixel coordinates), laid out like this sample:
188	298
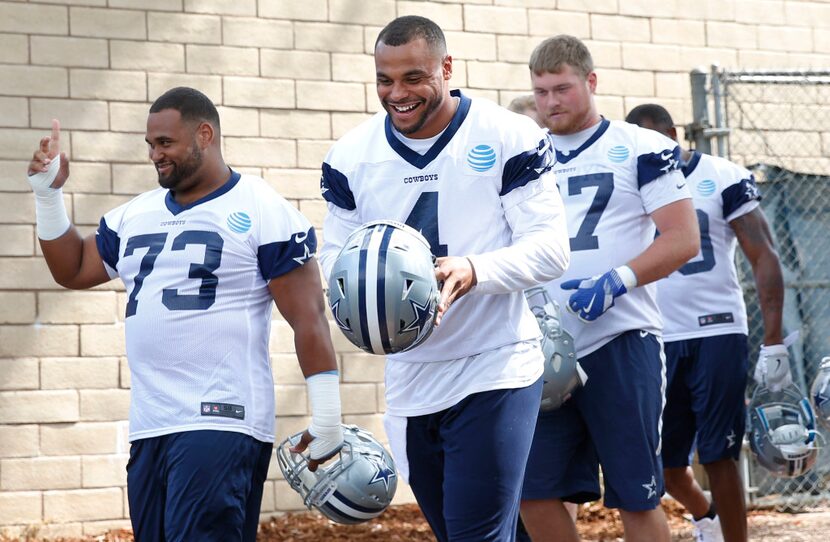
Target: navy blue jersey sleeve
738	194
280	257
652	165
108	244
526	167
334	187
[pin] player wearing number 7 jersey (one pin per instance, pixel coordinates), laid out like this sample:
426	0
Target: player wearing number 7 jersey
201	258
617	182
706	333
475	180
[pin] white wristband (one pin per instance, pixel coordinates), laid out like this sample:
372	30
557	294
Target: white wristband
324	396
51	218
627	276
50	212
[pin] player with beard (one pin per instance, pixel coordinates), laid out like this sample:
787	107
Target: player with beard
461	406
618	183
202	259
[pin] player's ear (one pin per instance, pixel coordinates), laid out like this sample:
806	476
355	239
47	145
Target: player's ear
205	134
592	81
446	67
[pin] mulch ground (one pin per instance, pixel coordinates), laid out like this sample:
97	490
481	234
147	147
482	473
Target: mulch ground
405	523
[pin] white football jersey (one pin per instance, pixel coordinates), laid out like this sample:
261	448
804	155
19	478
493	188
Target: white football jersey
198	308
704	298
610	185
469	196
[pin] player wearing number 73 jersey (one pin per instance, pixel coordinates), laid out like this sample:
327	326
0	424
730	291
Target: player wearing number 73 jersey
202	259
475	180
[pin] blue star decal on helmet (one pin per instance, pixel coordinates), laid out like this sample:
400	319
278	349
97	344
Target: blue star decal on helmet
383	472
421	317
335	310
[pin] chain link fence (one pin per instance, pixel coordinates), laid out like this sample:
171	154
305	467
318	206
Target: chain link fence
777	124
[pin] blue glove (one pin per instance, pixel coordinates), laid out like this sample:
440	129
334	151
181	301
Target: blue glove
596	295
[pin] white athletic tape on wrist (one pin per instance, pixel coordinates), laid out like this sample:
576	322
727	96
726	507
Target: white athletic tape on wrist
629	279
50	212
324	396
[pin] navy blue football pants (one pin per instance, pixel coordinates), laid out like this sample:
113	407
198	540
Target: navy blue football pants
197	485
466	463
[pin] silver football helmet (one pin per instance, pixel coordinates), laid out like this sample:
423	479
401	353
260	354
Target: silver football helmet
355	486
782	436
563	374
820	394
382	289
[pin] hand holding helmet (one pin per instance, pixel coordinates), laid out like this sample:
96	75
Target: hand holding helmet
562	374
782	435
773	367
353	488
382	291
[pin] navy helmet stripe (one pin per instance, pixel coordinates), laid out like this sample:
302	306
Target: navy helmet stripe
381	286
361	290
355	506
335	513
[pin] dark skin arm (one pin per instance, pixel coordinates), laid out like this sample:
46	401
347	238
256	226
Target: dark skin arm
755	238
298	295
73	260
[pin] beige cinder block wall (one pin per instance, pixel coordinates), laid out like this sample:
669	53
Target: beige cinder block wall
290	77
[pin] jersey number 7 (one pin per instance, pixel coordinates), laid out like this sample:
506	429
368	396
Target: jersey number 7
585	238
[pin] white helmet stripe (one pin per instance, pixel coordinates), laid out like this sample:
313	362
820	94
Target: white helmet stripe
373	325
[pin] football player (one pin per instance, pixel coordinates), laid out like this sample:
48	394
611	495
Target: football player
617	181
705	330
475	180
202	258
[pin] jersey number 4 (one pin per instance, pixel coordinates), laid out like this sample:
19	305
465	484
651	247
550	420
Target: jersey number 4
170	297
424	218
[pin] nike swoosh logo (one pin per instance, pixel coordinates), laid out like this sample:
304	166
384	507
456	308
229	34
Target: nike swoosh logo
300	237
679	186
665	156
591	304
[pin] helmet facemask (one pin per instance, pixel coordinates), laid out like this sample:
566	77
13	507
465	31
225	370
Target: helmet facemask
562	374
353	487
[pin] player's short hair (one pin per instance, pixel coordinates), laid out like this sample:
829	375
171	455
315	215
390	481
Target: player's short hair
191	104
554	53
411	27
520	103
657	114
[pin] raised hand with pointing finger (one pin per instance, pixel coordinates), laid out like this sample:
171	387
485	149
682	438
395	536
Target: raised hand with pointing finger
48	171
